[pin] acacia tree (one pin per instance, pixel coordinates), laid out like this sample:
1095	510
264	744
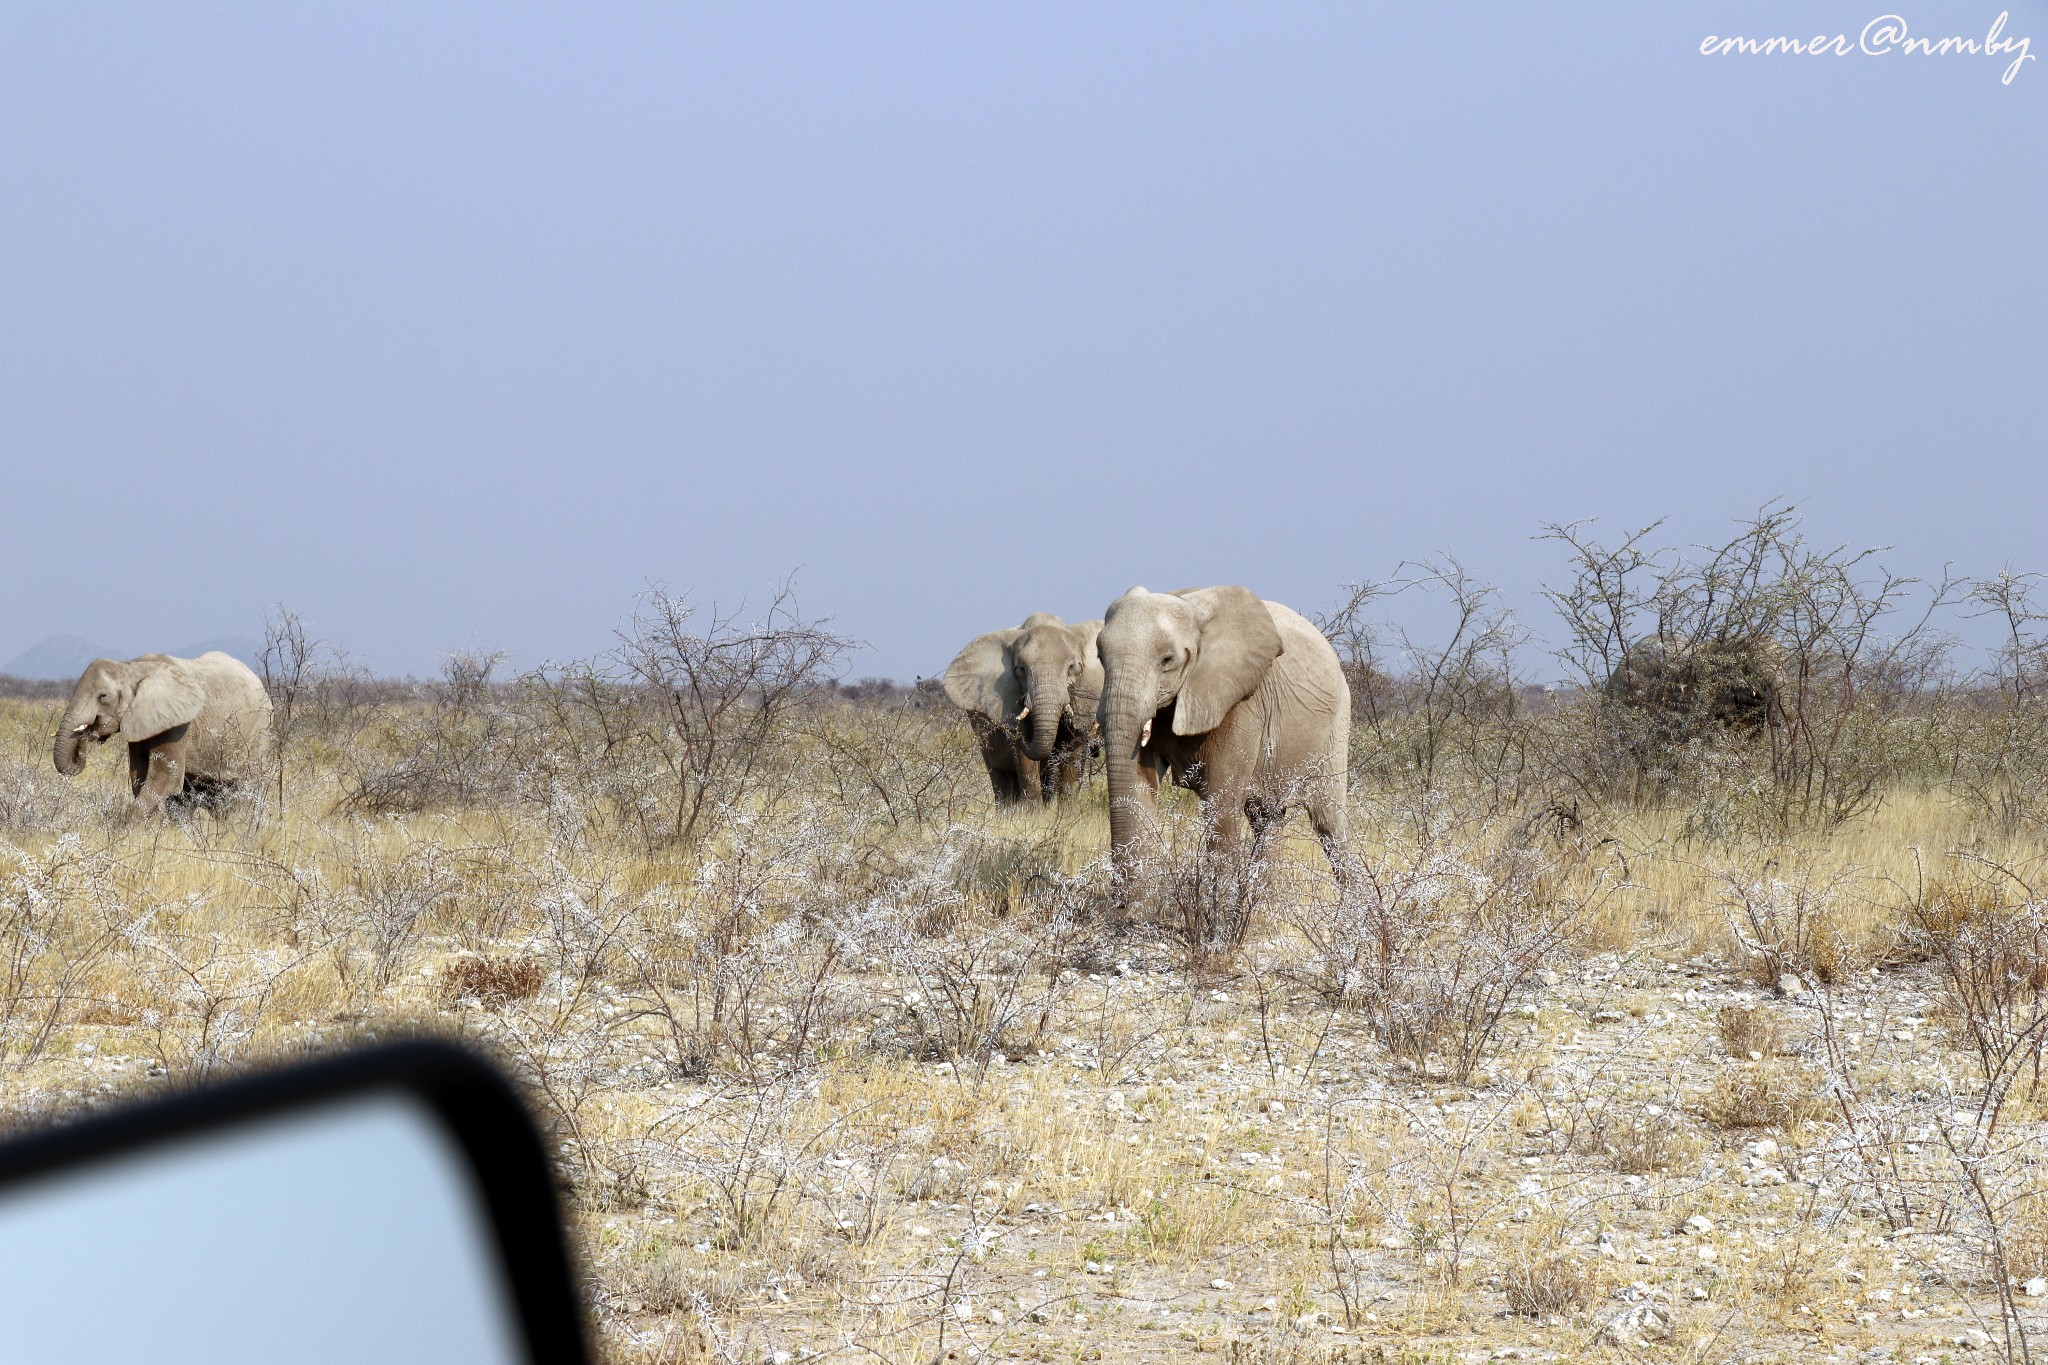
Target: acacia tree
725	698
288	664
1823	646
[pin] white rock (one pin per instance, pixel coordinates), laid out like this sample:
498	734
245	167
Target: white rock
2036	1287
1699	1225
1548	977
1764	1149
994	1316
1789	984
1638	1325
1221	1284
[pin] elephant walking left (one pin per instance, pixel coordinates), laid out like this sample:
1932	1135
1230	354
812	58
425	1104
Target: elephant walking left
1044	672
196	728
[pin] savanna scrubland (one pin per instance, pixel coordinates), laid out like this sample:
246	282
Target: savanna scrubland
1691	1010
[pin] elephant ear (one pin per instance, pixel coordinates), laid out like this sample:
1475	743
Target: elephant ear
1239	642
1088	687
982	680
167	693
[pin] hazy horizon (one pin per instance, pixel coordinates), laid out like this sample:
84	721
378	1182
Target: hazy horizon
456	328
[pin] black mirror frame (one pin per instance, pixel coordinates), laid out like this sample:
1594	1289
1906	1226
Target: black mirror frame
474	1104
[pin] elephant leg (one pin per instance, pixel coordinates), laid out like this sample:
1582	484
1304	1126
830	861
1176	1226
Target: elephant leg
1328	815
161	775
1000	758
1224	812
1070	774
1071	757
1031	777
1003	777
1262	815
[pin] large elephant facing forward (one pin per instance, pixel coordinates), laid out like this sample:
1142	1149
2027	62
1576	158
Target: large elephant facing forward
1242	701
1030	693
195	727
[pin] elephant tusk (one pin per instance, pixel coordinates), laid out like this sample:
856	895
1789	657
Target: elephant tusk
1145	735
1025	712
79	730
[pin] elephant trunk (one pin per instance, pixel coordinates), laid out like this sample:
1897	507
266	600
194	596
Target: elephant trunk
71	733
1133	801
1048	704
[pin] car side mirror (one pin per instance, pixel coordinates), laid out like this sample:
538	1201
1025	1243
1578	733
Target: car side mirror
392	1205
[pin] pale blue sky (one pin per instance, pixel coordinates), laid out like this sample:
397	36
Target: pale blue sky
452	325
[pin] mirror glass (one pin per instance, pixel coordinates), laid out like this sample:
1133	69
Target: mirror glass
349	1232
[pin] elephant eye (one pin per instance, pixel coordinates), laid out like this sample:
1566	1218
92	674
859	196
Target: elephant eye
1166	662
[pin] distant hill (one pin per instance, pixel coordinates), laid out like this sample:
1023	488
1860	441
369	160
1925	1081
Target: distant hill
64	657
59	657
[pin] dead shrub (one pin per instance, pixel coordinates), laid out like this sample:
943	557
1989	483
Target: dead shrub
1550	1286
1766	1095
1433	939
1986	936
1748	1031
493	981
1776	682
1802	919
1642	1139
454	746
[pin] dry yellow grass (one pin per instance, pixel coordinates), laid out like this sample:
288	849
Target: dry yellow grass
843	1088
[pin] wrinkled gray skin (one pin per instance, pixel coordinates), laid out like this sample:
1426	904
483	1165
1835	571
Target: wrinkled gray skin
1031	694
1242	701
195	727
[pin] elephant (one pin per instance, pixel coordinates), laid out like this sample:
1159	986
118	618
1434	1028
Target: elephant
1241	700
1045	672
195	728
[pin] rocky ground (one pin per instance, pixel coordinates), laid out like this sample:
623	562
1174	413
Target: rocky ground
1171	1184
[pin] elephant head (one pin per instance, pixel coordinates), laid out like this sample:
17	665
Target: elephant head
1182	660
136	700
1036	672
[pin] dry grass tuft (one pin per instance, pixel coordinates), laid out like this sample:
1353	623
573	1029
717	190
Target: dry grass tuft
1556	1285
493	981
1750	1031
1766	1094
